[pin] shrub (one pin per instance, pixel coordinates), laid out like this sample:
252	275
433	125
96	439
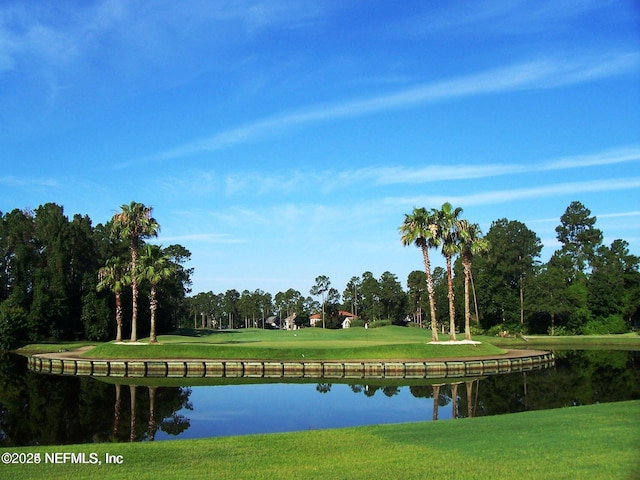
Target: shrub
511	329
380	323
476	329
357	322
495	330
560	331
578	319
605	326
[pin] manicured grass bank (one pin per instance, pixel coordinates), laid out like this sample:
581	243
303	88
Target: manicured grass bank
318	344
34	348
595	442
625	341
308	344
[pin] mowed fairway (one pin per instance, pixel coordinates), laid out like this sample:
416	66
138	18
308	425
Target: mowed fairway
389	342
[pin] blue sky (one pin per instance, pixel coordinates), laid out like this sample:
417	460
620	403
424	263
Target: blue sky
281	140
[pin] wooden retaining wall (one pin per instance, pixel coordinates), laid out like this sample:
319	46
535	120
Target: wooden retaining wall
286	369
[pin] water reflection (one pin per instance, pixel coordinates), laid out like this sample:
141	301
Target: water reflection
40	409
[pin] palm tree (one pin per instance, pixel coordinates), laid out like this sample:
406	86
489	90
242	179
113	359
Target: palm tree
421	229
471	243
154	267
114	276
447	229
134	223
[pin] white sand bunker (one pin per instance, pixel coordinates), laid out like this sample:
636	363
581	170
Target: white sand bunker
455	342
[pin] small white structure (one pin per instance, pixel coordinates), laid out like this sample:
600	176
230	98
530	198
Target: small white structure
290	322
348	317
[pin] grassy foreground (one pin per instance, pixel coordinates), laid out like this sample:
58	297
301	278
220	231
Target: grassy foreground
595	442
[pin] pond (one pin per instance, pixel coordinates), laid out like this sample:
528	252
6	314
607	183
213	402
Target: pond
38	409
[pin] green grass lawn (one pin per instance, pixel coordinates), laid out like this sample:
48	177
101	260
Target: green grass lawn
594	442
51	347
620	341
306	344
386	343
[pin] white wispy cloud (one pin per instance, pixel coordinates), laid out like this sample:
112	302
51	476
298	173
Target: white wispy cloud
495	17
60	35
13	181
430	173
607	157
504	196
214	238
437	173
634	213
542	74
206	182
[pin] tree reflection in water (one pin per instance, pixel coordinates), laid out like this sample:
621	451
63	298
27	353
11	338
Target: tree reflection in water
171	400
116	411
152	414
442	393
38	409
132	434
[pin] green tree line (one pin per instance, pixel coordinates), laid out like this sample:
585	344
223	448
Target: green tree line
586	287
65	279
492	283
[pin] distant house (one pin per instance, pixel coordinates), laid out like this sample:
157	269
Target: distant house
347	318
315	318
272	322
290	322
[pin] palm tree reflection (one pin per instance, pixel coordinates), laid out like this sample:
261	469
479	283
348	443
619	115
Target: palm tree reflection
441	393
164	403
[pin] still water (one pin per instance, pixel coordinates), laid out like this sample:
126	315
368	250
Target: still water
37	409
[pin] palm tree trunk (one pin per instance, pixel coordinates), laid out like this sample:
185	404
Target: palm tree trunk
475	298
134	294
452	308
432	300
118	317
153	306
467	310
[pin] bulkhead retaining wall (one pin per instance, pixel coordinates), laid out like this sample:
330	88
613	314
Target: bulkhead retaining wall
525	361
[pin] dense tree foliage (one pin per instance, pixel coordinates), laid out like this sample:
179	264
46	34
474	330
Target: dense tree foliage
502	275
64	279
50	271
